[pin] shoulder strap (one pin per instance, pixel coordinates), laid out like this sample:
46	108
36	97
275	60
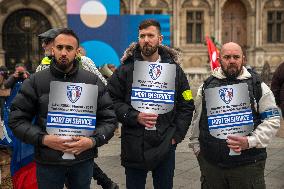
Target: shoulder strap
206	83
257	91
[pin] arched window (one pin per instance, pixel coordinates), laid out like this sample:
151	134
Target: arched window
20	41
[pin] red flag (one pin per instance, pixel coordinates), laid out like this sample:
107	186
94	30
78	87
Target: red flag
23	167
25	178
213	54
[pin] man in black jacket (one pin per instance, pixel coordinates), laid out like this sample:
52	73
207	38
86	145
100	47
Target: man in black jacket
33	100
47	39
277	87
148	140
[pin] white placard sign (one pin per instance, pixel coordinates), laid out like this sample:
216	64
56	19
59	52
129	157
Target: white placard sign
153	87
229	110
72	109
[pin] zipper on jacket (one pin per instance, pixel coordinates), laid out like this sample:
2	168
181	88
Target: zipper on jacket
65	75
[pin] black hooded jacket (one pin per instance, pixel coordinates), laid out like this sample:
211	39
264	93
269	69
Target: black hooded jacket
32	101
140	148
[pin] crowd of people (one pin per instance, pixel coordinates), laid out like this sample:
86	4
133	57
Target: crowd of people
231	120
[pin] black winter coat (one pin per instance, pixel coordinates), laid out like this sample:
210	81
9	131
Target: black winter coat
277	86
32	101
140	148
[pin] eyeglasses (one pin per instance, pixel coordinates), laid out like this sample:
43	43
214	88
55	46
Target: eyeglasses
228	57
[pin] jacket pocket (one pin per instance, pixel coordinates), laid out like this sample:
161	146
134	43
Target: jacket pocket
152	138
49	155
132	145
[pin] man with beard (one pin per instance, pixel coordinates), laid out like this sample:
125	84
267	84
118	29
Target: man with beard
33	101
87	64
47	39
235	160
148	140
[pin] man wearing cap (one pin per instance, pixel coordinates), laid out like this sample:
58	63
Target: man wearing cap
39	93
47	42
87	64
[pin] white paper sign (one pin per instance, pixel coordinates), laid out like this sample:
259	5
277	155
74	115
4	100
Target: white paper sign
71	110
229	110
153	87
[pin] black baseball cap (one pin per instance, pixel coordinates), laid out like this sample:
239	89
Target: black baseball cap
49	34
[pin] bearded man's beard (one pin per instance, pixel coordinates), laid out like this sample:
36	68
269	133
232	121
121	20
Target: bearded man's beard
63	63
148	50
232	71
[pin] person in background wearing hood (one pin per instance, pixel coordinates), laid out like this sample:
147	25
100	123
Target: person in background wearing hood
33	101
87	64
234	121
149	140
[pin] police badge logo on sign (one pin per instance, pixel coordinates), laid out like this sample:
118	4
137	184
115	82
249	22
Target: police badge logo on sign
226	94
155	71
74	92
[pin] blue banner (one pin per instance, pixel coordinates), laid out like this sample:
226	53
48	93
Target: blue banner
72	121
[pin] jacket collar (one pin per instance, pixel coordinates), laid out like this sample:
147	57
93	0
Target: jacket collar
218	73
167	54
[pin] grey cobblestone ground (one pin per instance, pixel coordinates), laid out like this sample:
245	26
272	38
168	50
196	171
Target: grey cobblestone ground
187	170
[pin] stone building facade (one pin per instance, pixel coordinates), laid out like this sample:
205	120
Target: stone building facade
20	23
258	25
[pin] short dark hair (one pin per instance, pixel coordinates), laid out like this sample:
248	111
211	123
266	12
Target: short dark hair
68	31
149	22
47	40
20	65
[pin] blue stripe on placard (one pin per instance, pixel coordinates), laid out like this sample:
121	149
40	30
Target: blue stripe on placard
274	112
228	114
154	90
73	114
143	100
66	127
71	125
232	125
236	118
70	120
147	95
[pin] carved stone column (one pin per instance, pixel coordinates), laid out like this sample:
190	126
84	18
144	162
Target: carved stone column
217	21
133	6
258	21
176	23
